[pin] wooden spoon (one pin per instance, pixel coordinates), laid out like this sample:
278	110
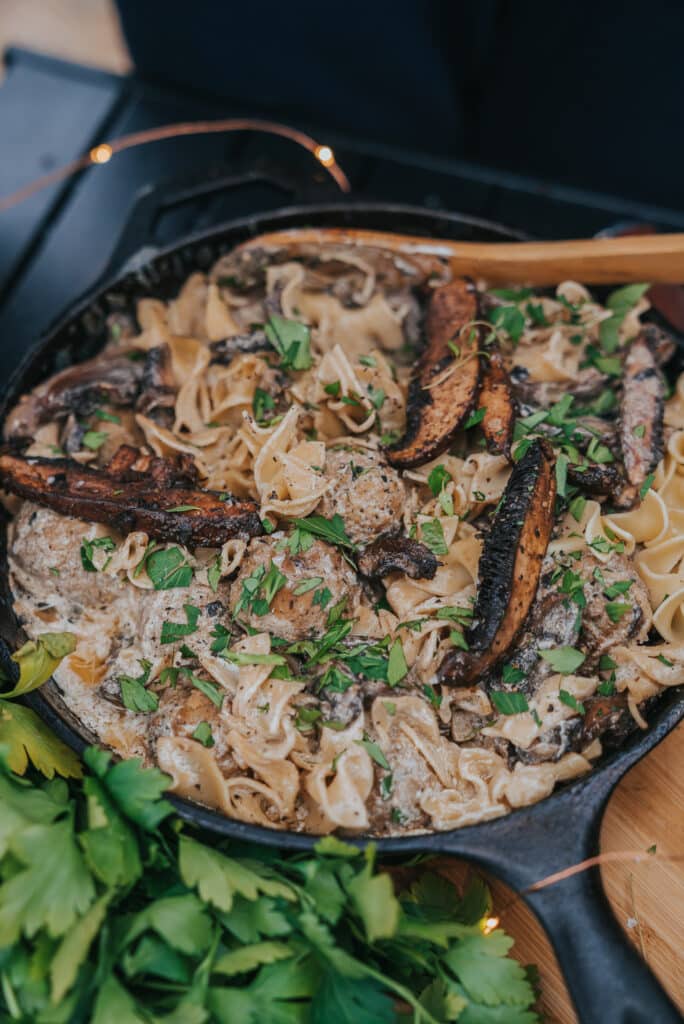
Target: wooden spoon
655	258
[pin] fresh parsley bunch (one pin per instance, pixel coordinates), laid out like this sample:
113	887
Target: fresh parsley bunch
111	910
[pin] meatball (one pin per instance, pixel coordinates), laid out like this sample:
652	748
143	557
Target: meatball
367	492
289	615
45	556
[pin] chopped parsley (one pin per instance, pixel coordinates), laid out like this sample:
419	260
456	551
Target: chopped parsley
432	695
331	530
373	750
396	665
172	631
94	439
438	479
475	418
88	550
168	569
306	585
509	319
100	414
214	574
564	659
512	675
432	535
203	734
134	695
567	698
291	340
616	609
646	486
509	702
262	403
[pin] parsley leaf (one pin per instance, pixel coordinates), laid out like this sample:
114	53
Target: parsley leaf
570	701
203	734
88	550
432	535
564	659
262	403
438	478
397	668
135	697
475	418
171	632
331	530
509	702
374	751
168	569
291	340
509	319
94	439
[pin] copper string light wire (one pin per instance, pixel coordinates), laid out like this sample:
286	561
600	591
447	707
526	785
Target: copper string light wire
610	857
104	151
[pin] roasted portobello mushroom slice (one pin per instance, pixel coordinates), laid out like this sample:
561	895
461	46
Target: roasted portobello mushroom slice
79	389
444	386
509	568
641	416
496	398
200	519
394	552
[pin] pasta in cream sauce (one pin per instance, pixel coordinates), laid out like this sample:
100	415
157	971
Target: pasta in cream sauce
271	678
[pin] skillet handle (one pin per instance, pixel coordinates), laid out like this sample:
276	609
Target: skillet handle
608	981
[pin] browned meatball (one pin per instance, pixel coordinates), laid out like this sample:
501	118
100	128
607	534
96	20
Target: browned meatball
290	615
45	553
366	492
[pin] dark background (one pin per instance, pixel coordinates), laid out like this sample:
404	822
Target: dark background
584	93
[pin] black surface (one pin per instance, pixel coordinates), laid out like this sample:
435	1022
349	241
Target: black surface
608	981
64	240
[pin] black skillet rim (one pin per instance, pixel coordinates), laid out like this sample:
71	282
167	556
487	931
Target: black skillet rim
150	269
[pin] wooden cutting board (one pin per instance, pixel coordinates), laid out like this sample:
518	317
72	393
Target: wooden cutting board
647	808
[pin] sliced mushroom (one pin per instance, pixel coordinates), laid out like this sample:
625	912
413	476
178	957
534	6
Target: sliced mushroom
661	344
129	463
594	478
542	394
80	390
641	416
496	398
330	262
509	567
607	716
158	390
224	351
394	552
444	386
202	519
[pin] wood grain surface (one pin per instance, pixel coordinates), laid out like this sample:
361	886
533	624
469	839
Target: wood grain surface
647	808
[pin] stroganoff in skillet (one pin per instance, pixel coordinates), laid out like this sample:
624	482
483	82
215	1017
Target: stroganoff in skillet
348	544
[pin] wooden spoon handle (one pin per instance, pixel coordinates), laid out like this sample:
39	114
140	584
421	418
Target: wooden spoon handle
590	260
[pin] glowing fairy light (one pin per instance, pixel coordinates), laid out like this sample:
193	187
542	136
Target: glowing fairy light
490	924
104	151
325	155
101	154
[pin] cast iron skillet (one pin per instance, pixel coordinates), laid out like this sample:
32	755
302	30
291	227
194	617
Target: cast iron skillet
608	981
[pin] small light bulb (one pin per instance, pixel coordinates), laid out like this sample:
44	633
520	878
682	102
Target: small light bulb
325	155
101	154
490	924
